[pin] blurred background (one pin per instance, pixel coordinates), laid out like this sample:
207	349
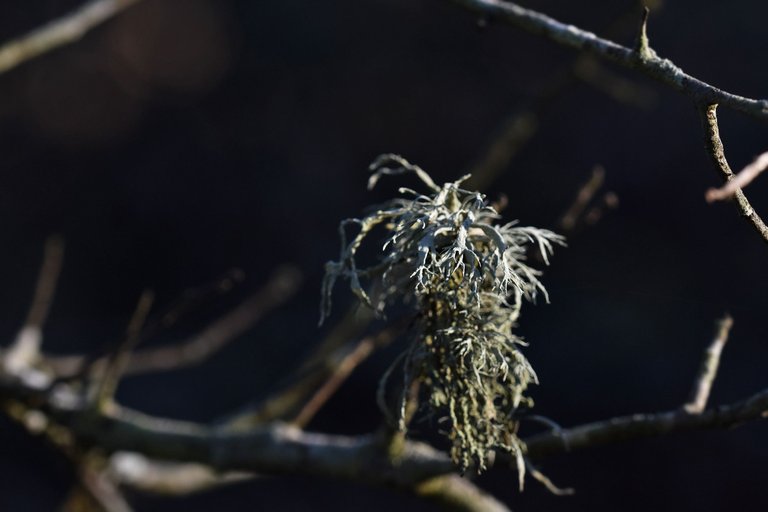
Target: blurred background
187	138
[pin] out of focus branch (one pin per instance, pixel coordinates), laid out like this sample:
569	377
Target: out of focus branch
280	287
168	478
583	198
25	350
116	363
60	32
341	371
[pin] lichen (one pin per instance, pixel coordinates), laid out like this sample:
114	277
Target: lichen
466	276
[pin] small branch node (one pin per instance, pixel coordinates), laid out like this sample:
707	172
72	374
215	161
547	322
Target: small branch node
642	45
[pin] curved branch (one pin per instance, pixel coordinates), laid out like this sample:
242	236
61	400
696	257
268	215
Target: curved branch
642	58
714	148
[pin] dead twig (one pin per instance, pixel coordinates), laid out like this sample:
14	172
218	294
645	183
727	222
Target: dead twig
25	350
280	287
583	198
118	360
708	370
343	369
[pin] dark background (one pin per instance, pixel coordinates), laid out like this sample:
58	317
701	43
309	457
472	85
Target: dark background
189	137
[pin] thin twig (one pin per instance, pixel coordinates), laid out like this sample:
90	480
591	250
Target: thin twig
103	490
743	178
456	493
714	148
282	286
546	481
168	478
118	360
708	370
312	373
25	349
583	198
60	32
641	426
342	371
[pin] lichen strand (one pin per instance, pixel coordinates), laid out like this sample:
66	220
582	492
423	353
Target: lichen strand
467	277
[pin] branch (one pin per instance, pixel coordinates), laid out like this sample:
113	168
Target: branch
60	32
341	372
643	59
118	361
274	449
708	370
741	180
457	493
714	148
25	350
281	286
167	478
583	198
641	426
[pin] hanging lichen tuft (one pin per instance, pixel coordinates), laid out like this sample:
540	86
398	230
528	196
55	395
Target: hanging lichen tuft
466	277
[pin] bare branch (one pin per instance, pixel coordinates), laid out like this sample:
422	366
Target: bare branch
741	180
316	369
168	478
585	195
281	286
546	482
714	148
103	491
25	349
708	370
117	362
641	426
662	70
341	372
457	493
60	32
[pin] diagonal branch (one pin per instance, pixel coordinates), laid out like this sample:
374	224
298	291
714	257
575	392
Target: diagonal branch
281	286
25	350
642	59
60	32
708	370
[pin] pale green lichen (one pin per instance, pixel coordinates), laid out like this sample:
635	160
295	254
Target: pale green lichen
466	277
